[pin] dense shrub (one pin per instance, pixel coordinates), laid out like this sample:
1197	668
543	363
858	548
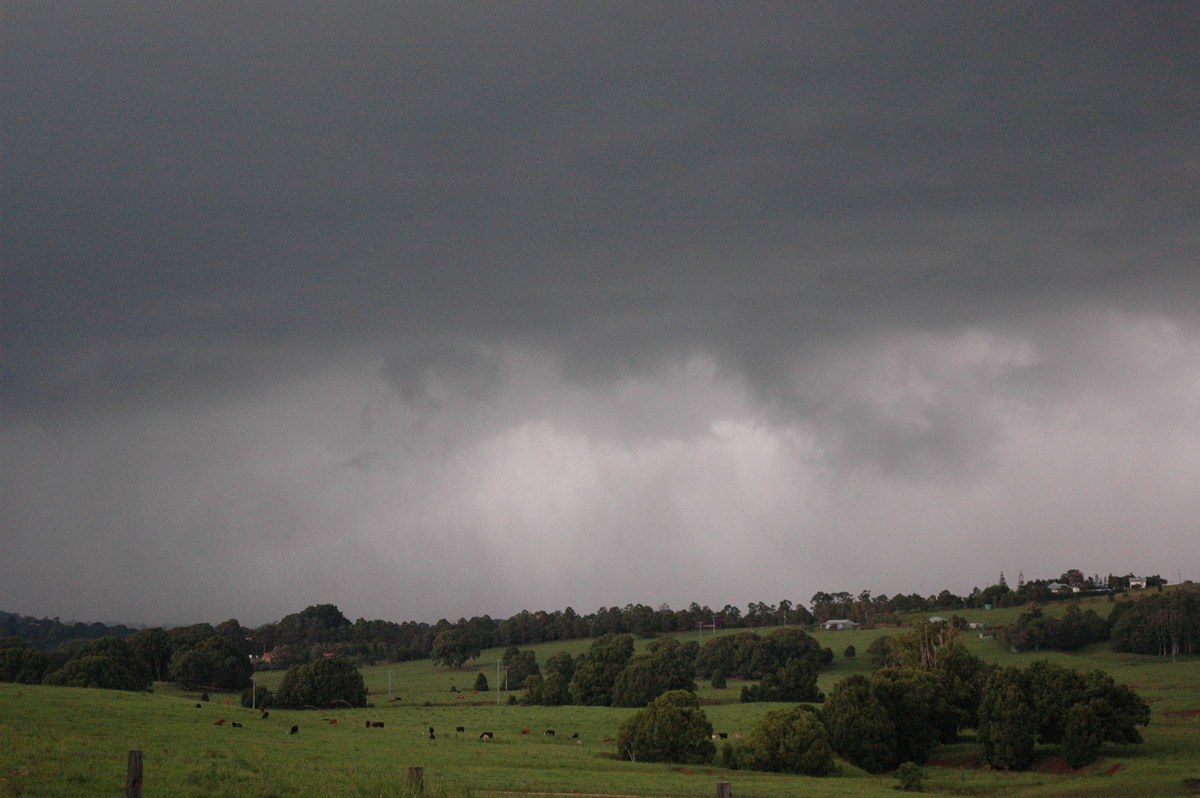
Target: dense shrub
108	663
791	740
257	698
672	728
325	683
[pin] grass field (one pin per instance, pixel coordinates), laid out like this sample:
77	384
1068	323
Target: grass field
72	742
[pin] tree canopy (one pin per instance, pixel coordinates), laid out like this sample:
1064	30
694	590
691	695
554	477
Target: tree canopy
672	728
322	684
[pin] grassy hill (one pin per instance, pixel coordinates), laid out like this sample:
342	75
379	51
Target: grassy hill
72	742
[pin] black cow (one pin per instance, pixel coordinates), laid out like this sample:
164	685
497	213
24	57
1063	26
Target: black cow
723	735
198	706
237	725
376	724
486	736
549	732
265	714
575	736
459	729
295	730
431	735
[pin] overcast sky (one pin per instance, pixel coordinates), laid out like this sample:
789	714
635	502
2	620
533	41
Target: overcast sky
441	309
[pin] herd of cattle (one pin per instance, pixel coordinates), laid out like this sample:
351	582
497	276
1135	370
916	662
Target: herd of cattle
458	730
378	724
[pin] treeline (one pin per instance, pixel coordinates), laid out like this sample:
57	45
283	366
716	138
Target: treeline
196	657
609	673
929	689
47	634
1164	624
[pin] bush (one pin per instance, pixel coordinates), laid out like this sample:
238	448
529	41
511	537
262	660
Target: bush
850	653
718	679
911	776
257	697
323	684
481	683
791	740
673	728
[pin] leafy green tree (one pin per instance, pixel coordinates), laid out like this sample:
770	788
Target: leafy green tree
257	697
911	775
879	653
533	690
556	690
796	681
792	643
20	663
453	647
718	679
481	683
1084	733
963	676
672	728
597	669
915	701
1007	722
791	740
153	645
850	652
216	662
107	662
860	727
322	684
661	668
1166	624
561	662
520	666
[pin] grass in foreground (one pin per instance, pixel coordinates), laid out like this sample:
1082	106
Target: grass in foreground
70	742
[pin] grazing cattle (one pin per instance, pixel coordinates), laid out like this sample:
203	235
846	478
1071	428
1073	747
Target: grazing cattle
607	739
295	730
333	721
575	736
486	736
431	734
220	722
236	725
198	706
368	723
549	732
459	729
376	724
265	714
526	731
723	735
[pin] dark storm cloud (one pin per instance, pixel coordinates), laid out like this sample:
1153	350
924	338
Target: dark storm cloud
371	258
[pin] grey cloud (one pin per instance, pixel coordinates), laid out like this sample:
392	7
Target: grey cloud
271	272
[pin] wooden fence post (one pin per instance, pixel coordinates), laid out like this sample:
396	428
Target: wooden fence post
133	775
416	778
724	790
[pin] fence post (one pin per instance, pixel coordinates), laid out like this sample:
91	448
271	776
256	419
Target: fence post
416	779
133	775
724	790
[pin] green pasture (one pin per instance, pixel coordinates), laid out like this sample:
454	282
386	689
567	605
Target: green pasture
73	742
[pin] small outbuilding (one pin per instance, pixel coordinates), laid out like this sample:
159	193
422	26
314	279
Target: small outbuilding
838	624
